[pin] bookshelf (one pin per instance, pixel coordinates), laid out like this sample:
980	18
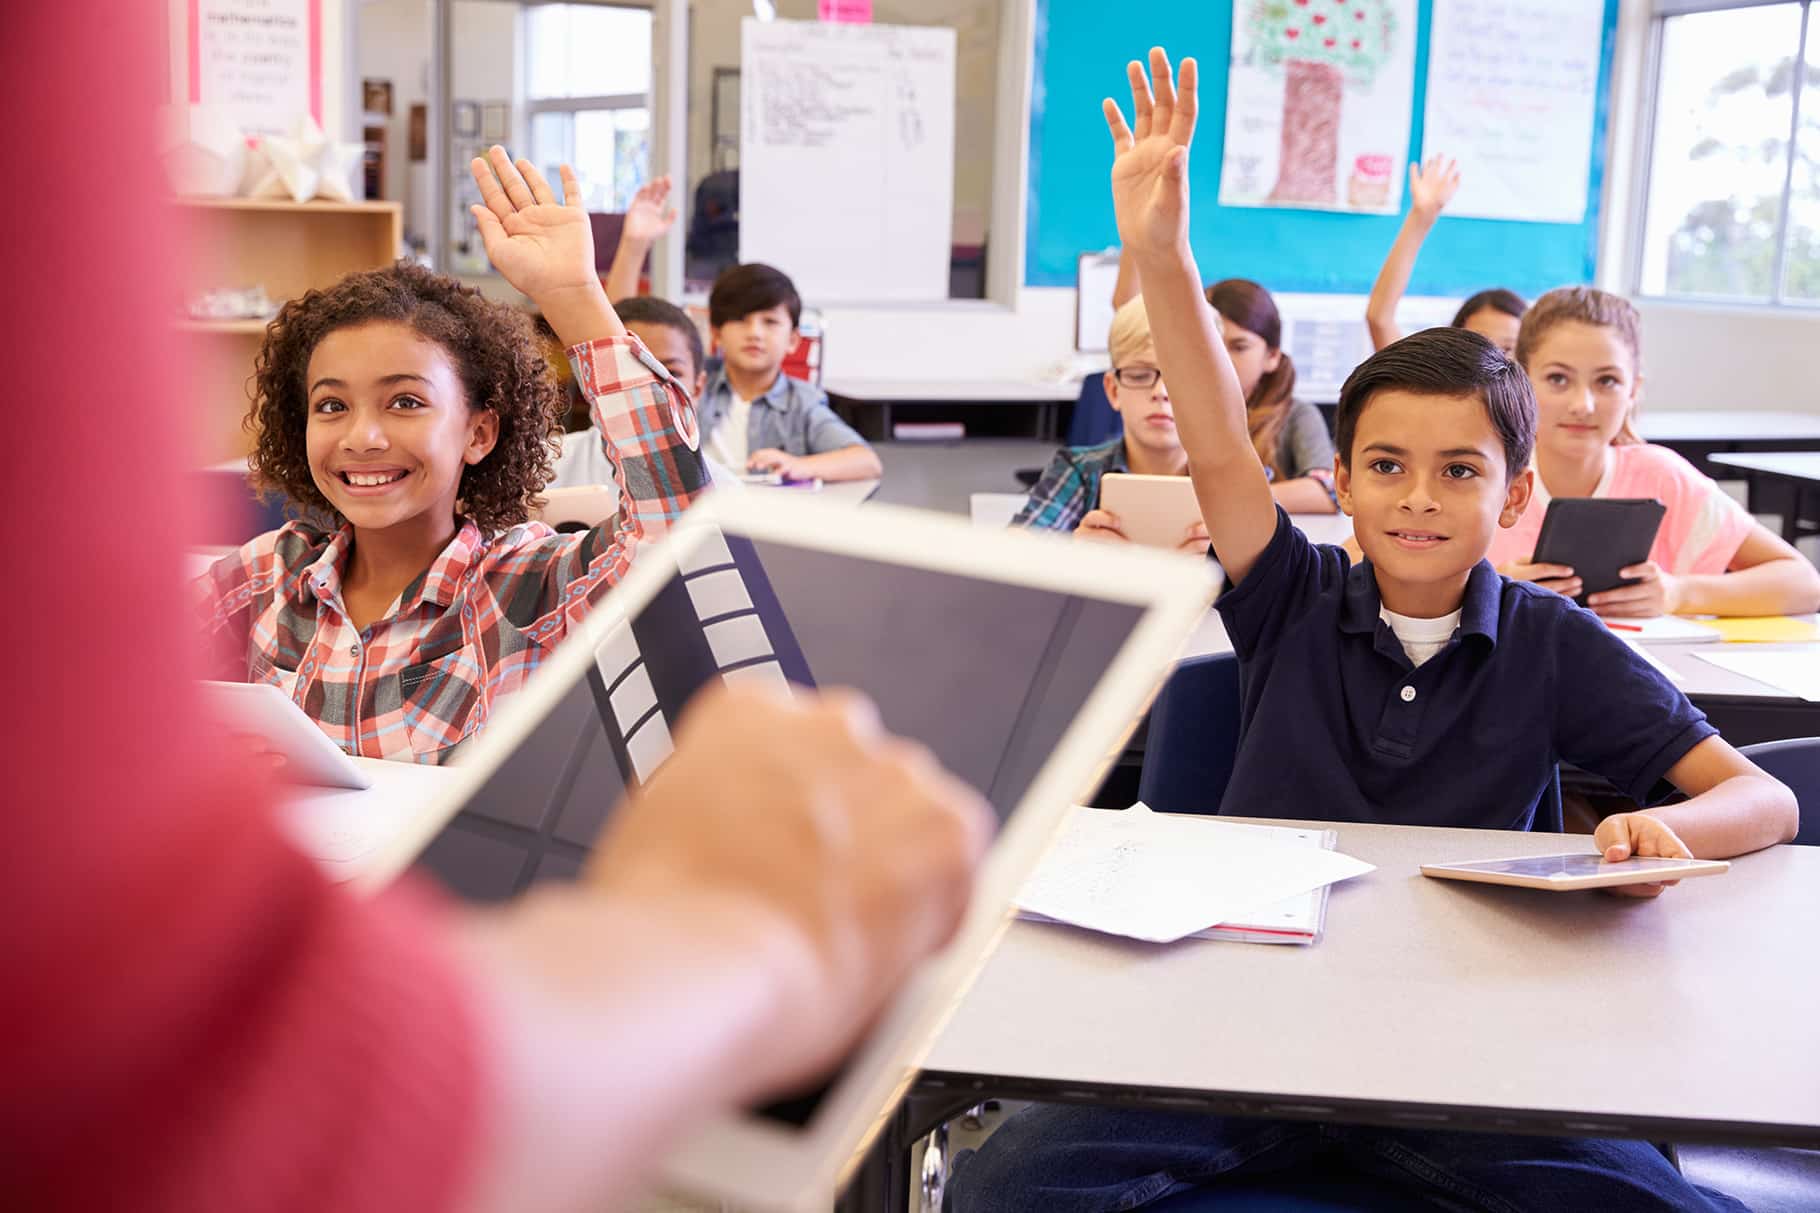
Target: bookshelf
286	247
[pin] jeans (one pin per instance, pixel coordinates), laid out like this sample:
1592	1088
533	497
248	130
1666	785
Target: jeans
1065	1159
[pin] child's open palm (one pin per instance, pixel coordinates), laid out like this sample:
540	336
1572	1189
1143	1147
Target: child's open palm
649	216
541	246
1432	184
1150	169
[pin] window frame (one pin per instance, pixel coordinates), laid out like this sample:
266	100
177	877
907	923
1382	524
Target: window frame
1661	11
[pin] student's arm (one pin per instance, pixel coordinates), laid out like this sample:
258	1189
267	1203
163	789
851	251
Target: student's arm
648	430
1150	197
1431	186
706	963
1307	453
1126	287
1767	577
647	219
836	451
1732	807
1303	495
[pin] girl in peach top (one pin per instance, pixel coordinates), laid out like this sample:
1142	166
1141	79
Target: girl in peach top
1582	348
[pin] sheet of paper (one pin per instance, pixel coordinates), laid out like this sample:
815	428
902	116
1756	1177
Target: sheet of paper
1161	876
1512	85
1666	629
1318	105
339	828
1796	671
1765	629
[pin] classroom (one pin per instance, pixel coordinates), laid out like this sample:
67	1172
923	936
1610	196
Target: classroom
917	606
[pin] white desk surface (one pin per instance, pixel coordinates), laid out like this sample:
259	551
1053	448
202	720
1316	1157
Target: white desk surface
1007	391
1798	465
342	828
845	492
1579	1010
1725	425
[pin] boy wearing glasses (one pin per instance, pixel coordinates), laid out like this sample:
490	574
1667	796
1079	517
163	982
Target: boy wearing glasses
1067	497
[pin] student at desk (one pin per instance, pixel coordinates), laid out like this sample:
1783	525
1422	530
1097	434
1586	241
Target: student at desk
756	418
1067	496
1418	687
1583	351
416	415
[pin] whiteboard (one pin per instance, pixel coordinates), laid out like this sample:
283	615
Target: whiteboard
1512	89
847	157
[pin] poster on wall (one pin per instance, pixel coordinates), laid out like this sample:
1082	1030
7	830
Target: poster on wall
1512	89
1318	104
261	60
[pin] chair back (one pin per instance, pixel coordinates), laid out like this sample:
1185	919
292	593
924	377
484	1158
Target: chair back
1795	762
1193	737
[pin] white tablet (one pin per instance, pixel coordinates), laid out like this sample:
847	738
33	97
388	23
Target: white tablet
1022	660
264	711
1583	870
1155	511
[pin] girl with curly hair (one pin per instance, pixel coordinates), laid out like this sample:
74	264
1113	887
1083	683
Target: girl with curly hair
413	424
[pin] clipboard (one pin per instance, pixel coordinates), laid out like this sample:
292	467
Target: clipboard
1095	276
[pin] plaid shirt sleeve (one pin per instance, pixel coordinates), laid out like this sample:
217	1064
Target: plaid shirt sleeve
226	597
650	436
1059	499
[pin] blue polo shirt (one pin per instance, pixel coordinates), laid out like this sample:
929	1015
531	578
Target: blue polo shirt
1338	725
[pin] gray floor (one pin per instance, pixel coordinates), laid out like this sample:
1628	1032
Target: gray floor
942	475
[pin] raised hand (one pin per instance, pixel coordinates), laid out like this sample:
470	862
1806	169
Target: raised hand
539	244
1432	185
543	247
1150	168
649	216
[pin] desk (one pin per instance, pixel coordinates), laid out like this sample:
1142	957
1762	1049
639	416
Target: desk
886	394
841	492
1744	710
1698	434
342	828
1794	471
1428	1002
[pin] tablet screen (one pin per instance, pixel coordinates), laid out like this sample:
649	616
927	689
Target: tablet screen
986	674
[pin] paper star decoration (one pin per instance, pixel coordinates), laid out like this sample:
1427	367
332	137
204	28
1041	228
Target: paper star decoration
306	164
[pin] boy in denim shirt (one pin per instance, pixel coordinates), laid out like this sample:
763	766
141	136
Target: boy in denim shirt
755	418
1416	687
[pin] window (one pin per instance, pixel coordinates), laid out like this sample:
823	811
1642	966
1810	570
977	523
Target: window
1733	198
587	90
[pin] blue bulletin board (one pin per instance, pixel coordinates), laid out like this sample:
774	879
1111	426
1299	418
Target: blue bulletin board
1082	47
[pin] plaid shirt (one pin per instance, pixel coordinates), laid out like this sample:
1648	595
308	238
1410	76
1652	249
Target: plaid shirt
486	613
1070	486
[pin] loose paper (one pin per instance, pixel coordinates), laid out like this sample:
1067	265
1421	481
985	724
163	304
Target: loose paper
1765	629
1162	877
1318	104
1796	671
1512	87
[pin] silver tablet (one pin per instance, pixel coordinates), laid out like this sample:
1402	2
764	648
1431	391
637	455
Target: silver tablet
1582	870
264	712
1021	660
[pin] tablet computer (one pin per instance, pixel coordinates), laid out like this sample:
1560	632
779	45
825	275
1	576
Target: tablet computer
1155	511
1021	660
1597	536
1582	870
267	713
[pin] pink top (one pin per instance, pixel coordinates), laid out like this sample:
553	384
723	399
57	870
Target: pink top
1701	531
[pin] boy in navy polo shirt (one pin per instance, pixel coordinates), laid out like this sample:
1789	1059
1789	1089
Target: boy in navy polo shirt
1417	687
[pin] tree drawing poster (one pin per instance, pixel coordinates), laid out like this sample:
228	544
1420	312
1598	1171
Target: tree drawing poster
1318	104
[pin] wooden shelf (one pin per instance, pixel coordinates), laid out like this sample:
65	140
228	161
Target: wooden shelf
255	328
286	247
286	206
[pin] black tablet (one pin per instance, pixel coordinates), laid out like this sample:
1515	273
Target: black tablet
1597	536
